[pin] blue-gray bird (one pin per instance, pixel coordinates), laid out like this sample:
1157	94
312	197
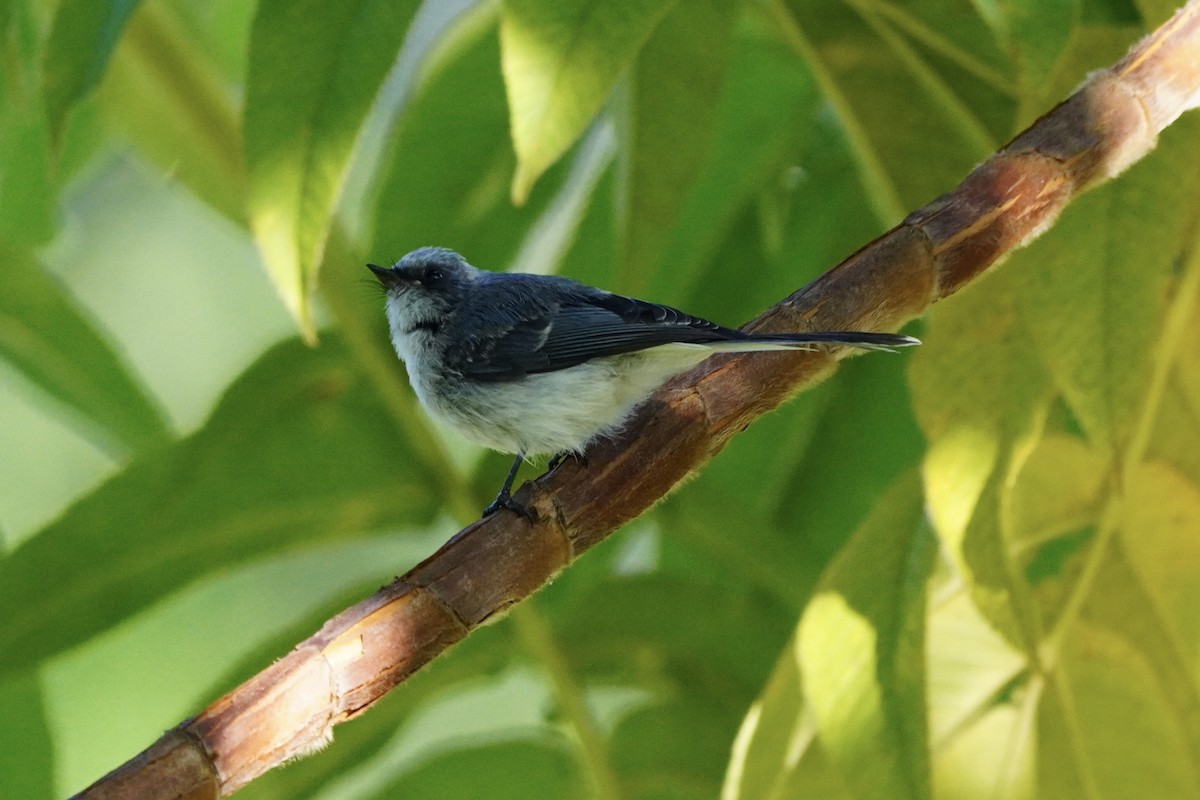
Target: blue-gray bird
538	364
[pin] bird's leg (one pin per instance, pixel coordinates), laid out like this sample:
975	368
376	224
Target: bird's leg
504	499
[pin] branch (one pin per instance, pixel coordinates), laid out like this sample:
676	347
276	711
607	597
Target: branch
290	708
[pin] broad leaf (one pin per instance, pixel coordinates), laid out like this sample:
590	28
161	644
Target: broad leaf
861	646
50	341
561	59
299	450
81	42
422	200
1095	301
668	132
314	69
854	673
26	742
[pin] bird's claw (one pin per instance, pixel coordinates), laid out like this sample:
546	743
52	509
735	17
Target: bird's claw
505	500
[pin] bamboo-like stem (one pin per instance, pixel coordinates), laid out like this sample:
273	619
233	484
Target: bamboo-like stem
290	708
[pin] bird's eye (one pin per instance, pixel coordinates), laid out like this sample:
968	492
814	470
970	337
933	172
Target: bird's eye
433	275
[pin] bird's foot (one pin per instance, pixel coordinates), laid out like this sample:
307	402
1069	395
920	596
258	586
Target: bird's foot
505	500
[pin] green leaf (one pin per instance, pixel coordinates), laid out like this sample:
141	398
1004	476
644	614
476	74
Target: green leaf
1130	739
300	449
861	646
668	130
1038	32
1162	514
854	674
26	743
446	183
766	112
514	769
82	40
976	345
49	340
313	72
167	94
27	201
561	59
889	119
1096	290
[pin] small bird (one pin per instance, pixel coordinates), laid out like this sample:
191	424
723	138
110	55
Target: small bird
538	364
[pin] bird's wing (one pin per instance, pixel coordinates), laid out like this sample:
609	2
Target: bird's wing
579	329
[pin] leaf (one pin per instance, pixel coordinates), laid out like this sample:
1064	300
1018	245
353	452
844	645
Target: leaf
496	770
47	338
450	162
858	653
27	202
167	94
1095	301
300	449
970	665
861	646
313	72
561	59
1162	514
26	741
764	115
82	40
669	127
886	118
1130	738
1038	33
975	344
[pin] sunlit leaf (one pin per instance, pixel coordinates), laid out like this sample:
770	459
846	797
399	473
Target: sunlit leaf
1094	304
299	450
81	42
977	346
50	341
1162	515
314	69
561	59
1129	736
859	665
861	646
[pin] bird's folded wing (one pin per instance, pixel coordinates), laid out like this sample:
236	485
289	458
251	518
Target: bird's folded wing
569	334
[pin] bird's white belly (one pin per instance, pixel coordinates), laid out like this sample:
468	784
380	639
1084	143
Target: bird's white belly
588	401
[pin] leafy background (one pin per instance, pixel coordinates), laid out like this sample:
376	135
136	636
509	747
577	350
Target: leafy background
965	571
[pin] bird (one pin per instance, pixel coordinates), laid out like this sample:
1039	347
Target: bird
544	365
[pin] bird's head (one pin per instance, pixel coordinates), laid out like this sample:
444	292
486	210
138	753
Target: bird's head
424	287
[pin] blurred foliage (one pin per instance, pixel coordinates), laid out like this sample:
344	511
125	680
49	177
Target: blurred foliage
965	571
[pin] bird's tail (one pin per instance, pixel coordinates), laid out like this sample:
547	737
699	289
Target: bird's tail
865	340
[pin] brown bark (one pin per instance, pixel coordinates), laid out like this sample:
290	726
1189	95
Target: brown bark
290	708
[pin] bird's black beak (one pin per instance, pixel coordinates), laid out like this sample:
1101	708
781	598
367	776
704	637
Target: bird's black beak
387	277
396	277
